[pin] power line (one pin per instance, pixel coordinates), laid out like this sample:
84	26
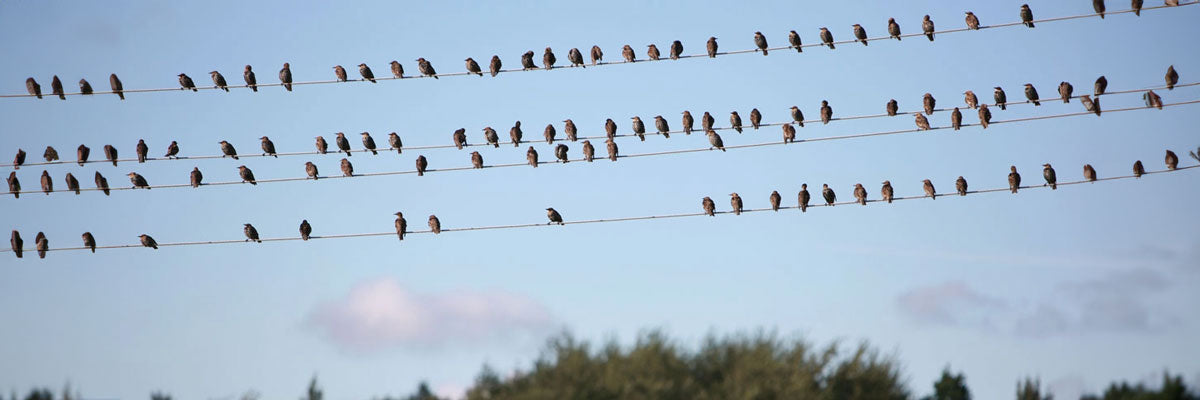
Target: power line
607	220
563	139
774	143
704	55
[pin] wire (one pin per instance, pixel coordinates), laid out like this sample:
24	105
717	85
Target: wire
705	55
607	220
742	146
557	139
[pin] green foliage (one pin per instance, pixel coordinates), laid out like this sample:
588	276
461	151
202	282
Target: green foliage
950	387
422	393
40	394
1172	388
158	395
1031	389
314	390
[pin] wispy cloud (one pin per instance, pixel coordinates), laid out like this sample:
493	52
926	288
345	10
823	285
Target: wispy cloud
951	303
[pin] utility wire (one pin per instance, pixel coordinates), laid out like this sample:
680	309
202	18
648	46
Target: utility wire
704	55
561	138
601	157
816	196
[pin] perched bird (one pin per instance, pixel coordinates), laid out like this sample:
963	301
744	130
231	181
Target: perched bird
515	134
1089	173
14	184
142	150
102	183
33	87
612	149
887	192
322	145
676	49
19	159
426	68
285	76
226	150
736	202
340	73
570	129
247	175
627	52
369	142
342	143
397	69
1138	170
715	140
268	147
711	47
1026	15
828	194
50	154
311	170
827	37
41	244
775	198
710	207
1137	7
82	153
803	197
860	34
527	61
401	225
435	225
347	168
491	136
460	138
305	230
789	133
1088	104
395	143
548	59
185	82
89	241
826	112
1064	91
148	241
735	121
1051	178
18	245
956	119
366	73
575	57
422	163
922	122
47	183
554	216
1014	179
755	118
893	29
532	156
251	80
927	27
972	21
971	100
1172	77
688	122
1032	94
56	88
761	42
219	80
138	181
929	190
1152	99
85	87
985	116
661	125
929	102
72	183
1000	97
707	121
597	55
196	178
476	160
251	233
892	107
549	133
589	152
494	66
1172	161
172	150
115	83
860	194
560	152
610	128
652	52
1171	3
794	41
1100	86
1098	5
798	116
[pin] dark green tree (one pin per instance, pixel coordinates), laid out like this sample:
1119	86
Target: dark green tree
314	390
950	387
40	394
1031	389
159	395
422	393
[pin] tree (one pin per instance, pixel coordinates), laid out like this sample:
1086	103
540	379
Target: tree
159	395
40	394
950	387
422	393
1172	388
314	391
1031	389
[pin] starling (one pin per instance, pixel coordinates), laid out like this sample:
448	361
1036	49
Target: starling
342	143
1098	5
366	73
394	143
715	140
612	149
1089	173
597	55
369	142
710	208
1000	97
172	150
1014	179
285	76
514	134
929	102
226	150
1026	15
305	230
56	88
142	150
554	216
893	29
115	83
1137	7
922	122
1064	90
197	178
627	52
1138	171
14	184
397	70
1100	86
491	136
527	61
985	115
401	225
1032	94
688	121
347	168
755	118
639	128
589	152
794	41
971	100
422	163
41	244
476	160
251	81
827	37
828	194
50	154
1172	77
89	241
82	153
219	81
426	68
560	152
711	47
860	194
85	87
495	65
610	128
706	121
532	156
138	181
247	175
798	116
322	145
311	170
826	112
887	192
676	49
1172	160
340	73
268	147
548	59
19	159
803	197
1088	104
789	133
185	82
892	107
101	183
775	199
972	21
18	245
860	34
736	202
148	241
460	138
956	119
1171	3
549	133
570	130
929	191
961	186
1152	100
33	87
251	233
575	57
72	183
47	183
761	42
1051	178
927	27
435	225
652	52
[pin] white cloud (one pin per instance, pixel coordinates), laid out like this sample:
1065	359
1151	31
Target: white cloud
949	303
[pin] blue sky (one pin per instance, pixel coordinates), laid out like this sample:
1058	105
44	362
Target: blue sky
1079	286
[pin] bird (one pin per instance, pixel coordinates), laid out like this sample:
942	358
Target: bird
761	42
532	156
794	41
340	73
828	194
102	183
435	225
251	80
610	128
322	145
138	181
347	168
72	183
1171	3
14	184
798	116
219	80
1152	100
247	175
887	192
775	199
369	143
366	73
715	140
47	182
1026	15
652	52
922	122
1138	170
755	118
494	66
89	241
33	87
85	87
460	138
554	216
972	21
305	230
172	150
1137	7
627	52
827	37
549	133
1031	94
803	197
397	69
971	100
589	152
311	170
985	115
612	149
956	119
548	59
50	154
575	57
251	233
860	34
395	143
676	49
1089	173
117	88
196	177
18	245
401	225
892	107
422	163
570	129
560	152
82	153
56	88
929	102
736	202
929	190
597	55
711	47
41	244
515	133
1051	178
342	143
142	150
1088	104
688	122
1014	179
860	194
285	76
226	150
1172	160
491	136
706	121
927	27
1000	97
1098	5
268	147
826	112
735	121
1172	78
527	61
1100	86
710	207
789	133
185	82
19	159
426	68
893	29
1064	90
476	160
148	241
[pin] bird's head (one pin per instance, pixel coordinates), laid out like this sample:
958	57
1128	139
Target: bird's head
248	68
887	183
1046	165
362	65
264	138
399	214
213	73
